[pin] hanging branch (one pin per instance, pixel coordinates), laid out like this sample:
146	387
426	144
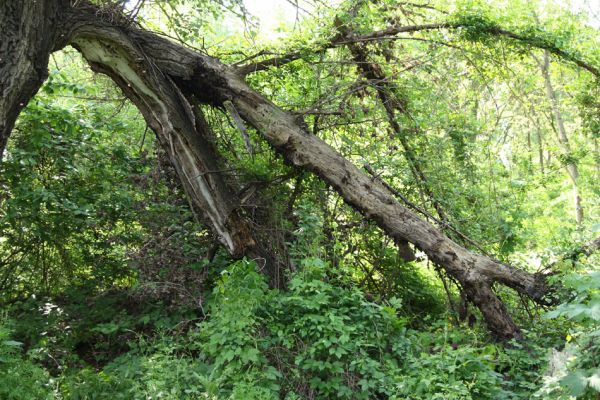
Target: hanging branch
239	123
474	32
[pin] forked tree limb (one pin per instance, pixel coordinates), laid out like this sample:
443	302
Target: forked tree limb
185	134
200	74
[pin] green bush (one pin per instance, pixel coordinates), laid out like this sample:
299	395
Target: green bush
320	339
448	373
330	341
163	369
232	337
20	379
576	370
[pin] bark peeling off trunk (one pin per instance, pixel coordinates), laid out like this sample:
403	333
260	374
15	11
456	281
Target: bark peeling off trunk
179	128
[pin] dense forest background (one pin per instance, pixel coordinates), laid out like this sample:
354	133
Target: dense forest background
483	119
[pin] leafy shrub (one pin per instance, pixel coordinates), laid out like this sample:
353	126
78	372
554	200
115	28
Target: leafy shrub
20	379
232	337
322	340
450	373
152	371
316	340
330	342
577	370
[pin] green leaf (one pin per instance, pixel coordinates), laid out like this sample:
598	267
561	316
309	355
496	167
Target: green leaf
12	343
576	382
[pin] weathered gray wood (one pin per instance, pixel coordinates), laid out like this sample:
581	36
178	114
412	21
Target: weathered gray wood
181	129
476	273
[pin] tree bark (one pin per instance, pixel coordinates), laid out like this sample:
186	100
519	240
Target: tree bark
563	139
29	35
185	134
160	76
180	129
475	273
392	104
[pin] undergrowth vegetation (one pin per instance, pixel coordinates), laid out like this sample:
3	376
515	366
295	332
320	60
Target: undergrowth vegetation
319	339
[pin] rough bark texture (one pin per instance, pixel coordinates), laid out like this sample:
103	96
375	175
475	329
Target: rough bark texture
160	76
180	128
475	273
28	35
479	292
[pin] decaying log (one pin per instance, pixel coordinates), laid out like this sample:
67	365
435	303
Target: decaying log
214	83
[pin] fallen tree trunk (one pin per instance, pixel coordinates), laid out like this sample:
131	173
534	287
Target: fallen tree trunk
475	273
161	77
214	83
185	134
181	130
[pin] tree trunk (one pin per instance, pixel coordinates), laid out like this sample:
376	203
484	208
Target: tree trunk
29	34
160	76
563	139
180	129
392	104
475	273
185	134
